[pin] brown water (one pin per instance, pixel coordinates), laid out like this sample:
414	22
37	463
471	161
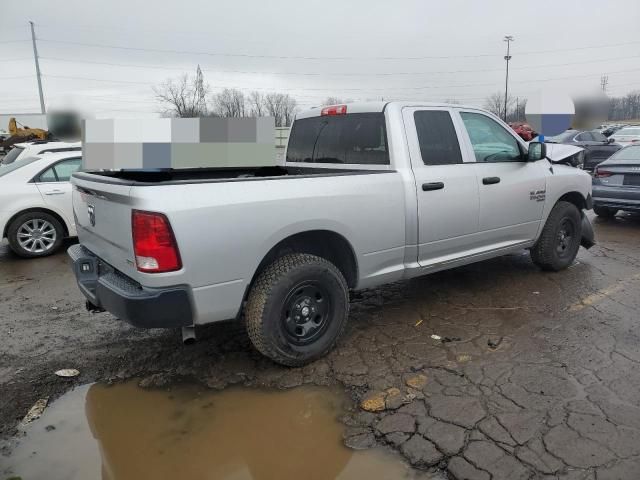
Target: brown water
124	432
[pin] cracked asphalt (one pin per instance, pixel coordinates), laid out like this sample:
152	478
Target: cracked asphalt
492	371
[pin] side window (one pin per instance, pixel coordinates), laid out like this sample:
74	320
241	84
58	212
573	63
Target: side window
61	172
48	176
584	137
437	138
491	142
66	168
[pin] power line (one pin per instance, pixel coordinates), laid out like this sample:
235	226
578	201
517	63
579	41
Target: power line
331	74
295	57
422	87
16	76
14	41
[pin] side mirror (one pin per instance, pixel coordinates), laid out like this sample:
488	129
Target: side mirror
537	151
610	140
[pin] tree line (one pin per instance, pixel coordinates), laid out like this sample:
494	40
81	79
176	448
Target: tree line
626	107
190	96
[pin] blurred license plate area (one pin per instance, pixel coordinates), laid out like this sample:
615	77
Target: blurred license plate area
632	180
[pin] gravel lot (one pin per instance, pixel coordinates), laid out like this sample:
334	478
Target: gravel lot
492	371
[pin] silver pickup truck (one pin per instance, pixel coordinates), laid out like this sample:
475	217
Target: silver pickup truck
370	193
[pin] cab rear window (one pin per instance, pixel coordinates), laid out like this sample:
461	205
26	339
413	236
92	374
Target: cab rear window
356	138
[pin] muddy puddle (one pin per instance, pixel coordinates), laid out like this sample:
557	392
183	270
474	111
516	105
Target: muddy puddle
125	432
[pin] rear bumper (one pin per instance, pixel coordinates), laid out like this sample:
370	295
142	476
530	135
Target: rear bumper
622	198
108	289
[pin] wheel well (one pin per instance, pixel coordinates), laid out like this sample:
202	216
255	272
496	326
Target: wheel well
44	210
323	243
576	198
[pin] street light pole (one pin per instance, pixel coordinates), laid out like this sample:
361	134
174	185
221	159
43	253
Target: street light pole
507	57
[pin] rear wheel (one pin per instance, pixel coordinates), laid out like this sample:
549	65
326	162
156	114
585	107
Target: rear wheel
35	234
559	242
605	212
297	309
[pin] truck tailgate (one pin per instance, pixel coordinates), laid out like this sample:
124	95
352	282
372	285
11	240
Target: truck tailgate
103	218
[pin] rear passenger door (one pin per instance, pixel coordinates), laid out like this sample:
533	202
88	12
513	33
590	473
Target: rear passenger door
511	189
446	186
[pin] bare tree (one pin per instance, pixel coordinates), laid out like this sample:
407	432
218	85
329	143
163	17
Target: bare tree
625	108
183	97
332	101
495	104
256	104
339	101
230	102
282	107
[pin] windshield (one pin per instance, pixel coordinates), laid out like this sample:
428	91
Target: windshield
12	155
4	169
563	137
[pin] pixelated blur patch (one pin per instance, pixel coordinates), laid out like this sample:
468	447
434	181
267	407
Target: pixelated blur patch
174	143
549	112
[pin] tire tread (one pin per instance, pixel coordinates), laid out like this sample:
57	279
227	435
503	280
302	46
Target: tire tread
542	253
259	295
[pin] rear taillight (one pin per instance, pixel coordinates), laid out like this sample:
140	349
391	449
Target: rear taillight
334	110
599	173
154	245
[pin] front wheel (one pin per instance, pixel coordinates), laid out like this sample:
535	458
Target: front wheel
297	309
559	242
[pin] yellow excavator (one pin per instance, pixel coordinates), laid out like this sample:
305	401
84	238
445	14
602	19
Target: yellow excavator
62	125
22	134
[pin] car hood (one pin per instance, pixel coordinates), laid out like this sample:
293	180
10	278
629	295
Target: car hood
557	152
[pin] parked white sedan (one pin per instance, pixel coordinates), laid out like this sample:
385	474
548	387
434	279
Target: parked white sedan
627	136
38	147
35	203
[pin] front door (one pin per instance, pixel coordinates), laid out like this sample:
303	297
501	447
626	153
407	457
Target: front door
446	187
511	190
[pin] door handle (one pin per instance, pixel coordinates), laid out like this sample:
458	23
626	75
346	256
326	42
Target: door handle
54	192
432	186
490	180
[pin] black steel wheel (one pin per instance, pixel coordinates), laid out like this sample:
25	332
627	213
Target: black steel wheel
559	241
305	312
297	309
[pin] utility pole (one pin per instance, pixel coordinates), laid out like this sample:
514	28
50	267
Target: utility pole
35	57
507	57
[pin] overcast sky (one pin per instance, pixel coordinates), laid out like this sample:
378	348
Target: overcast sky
356	49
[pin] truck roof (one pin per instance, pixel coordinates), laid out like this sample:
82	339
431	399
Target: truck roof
374	107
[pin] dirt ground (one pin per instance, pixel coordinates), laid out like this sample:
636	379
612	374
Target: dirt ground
492	371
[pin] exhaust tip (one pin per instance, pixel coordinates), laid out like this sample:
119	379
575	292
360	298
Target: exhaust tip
189	335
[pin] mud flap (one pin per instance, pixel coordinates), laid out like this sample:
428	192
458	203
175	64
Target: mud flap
588	237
